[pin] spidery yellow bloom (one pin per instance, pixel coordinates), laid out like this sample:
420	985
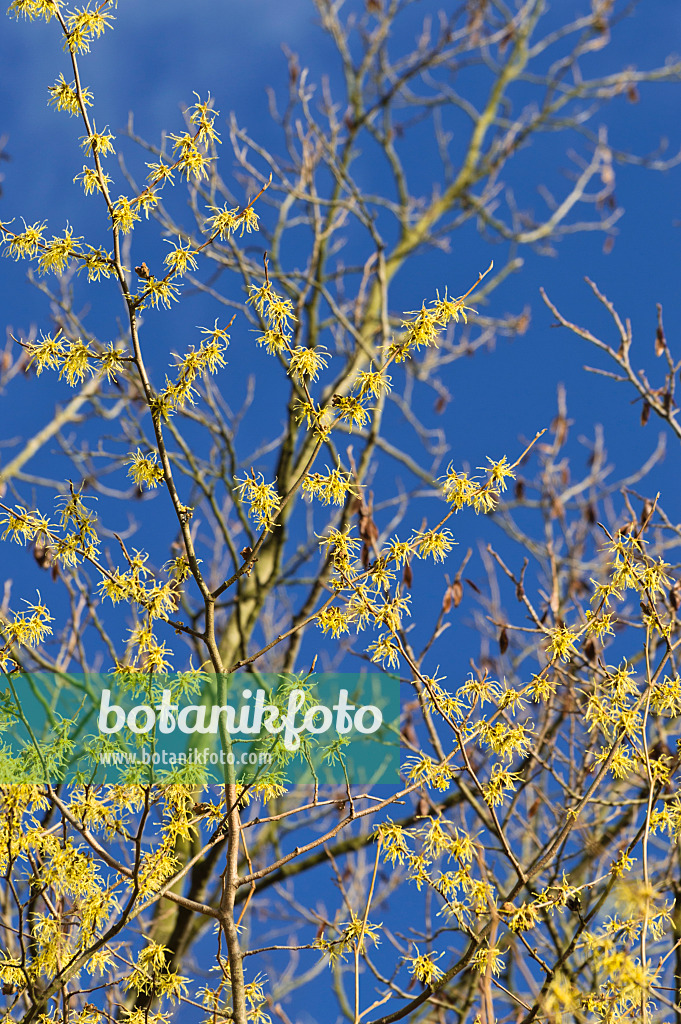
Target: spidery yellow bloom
272	307
385	651
333	621
393	841
145	469
76	363
400	552
98	142
345	546
357	929
624	863
24	526
26	243
191	161
331	489
146	201
213	348
373	382
160	292
499	472
29	628
64	97
458	488
438	774
562	644
160	173
203	118
224	221
90	180
599	625
437	543
525	917
124	214
32	9
541	688
488	956
501	781
98	263
262	497
622	763
666	697
604	592
58	253
151	972
249	220
48	352
83	25
181	258
307	362
423	967
350	410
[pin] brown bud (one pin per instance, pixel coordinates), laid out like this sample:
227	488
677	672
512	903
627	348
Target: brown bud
660	340
42	554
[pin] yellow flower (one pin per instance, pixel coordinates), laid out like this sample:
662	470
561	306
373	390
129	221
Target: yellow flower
58	253
491	956
561	644
385	651
499	472
98	142
433	542
334	621
26	243
181	258
307	362
373	382
33	9
191	161
224	221
160	292
124	214
330	489
263	499
64	97
76	363
145	469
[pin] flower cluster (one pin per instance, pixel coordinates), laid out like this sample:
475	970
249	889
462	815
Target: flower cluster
263	499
